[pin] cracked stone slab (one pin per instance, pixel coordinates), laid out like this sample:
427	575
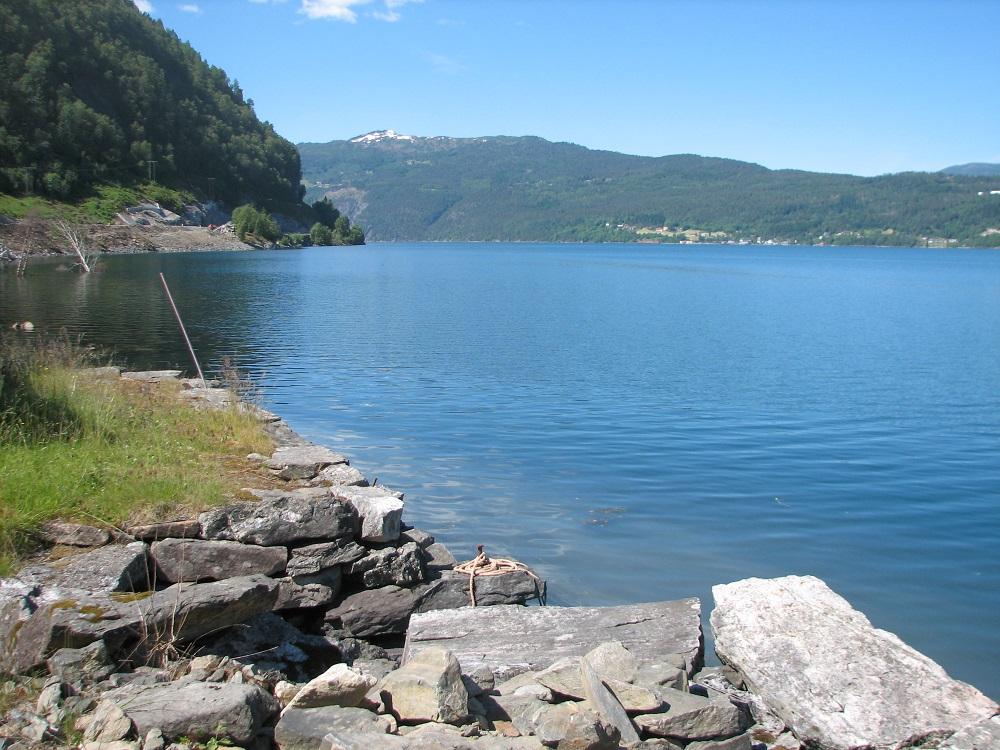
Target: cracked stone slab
510	639
836	681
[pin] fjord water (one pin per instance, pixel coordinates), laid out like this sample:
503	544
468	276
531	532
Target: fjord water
636	422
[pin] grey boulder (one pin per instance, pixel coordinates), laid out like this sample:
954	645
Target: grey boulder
586	730
115	567
381	611
302	461
108	724
606	704
198	710
313	558
270	643
983	735
138	624
410	534
610	661
692	717
531	716
282	518
340	685
380	510
179	560
152	532
41	607
305	728
74	534
449	589
295	595
77	665
400	566
835	680
739	742
340	474
437	558
428	687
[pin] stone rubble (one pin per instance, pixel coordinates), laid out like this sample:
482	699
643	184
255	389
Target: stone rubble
280	623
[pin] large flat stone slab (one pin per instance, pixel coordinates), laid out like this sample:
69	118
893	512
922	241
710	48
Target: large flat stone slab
835	680
512	639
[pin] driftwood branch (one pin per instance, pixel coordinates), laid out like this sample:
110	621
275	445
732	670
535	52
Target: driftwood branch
77	242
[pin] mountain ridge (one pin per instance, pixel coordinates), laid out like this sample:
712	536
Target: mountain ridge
974	169
405	187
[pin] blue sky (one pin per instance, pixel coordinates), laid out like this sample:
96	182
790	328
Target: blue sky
848	86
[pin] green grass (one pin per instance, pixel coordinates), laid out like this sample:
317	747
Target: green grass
99	207
17	207
105	452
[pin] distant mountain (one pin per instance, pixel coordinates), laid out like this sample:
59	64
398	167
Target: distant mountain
403	187
974	169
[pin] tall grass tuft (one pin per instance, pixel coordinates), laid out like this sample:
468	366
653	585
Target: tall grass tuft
35	406
78	446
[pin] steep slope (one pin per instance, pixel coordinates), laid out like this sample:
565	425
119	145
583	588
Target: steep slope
527	188
93	91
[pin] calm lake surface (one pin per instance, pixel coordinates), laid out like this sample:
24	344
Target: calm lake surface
637	423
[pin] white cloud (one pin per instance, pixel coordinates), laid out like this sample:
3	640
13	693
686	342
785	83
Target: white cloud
389	14
345	10
444	63
190	8
337	10
144	5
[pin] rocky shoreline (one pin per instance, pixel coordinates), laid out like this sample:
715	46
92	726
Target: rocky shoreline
312	617
40	238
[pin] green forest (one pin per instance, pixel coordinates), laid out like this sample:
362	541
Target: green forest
95	93
527	188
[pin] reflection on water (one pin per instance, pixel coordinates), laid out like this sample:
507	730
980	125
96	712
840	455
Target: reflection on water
638	423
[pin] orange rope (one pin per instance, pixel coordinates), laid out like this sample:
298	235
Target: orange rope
481	565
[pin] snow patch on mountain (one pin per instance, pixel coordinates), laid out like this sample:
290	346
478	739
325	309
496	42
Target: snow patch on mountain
377	136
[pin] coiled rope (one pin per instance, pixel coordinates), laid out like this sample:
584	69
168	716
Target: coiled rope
481	565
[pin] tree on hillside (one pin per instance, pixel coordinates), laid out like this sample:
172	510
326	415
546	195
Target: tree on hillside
251	222
326	212
320	234
342	226
96	92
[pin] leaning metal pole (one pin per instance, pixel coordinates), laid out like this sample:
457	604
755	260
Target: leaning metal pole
180	322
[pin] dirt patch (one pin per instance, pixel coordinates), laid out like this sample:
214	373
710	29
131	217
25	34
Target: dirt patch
39	237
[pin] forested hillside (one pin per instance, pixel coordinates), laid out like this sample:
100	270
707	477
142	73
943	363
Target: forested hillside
977	169
94	92
507	188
